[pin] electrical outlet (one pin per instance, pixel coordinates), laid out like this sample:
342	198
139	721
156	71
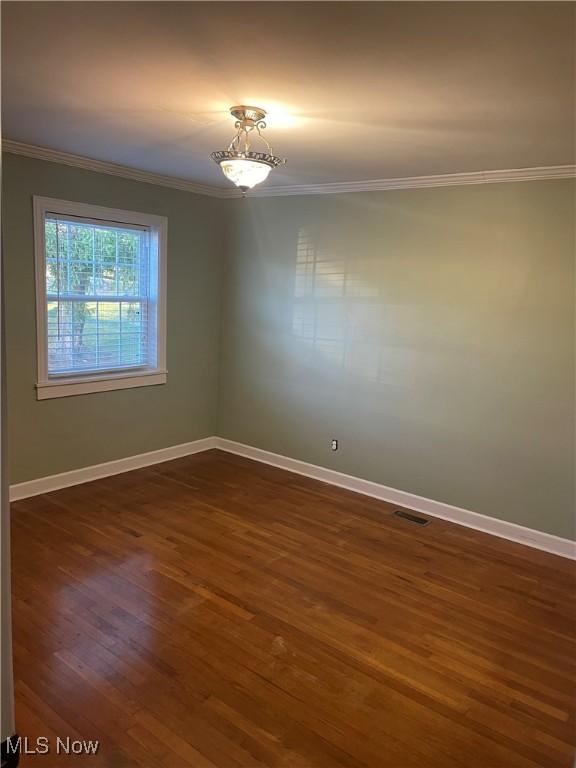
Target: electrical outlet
334	444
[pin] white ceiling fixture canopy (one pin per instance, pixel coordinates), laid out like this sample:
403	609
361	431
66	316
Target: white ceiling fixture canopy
240	163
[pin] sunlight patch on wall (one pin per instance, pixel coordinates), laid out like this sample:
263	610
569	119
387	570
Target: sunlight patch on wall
338	311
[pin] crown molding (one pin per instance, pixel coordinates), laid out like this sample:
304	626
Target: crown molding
89	164
371	185
421	182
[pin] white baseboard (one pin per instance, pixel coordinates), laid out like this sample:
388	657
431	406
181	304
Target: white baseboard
511	531
98	471
501	528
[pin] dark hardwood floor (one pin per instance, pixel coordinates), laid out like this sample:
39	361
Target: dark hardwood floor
216	613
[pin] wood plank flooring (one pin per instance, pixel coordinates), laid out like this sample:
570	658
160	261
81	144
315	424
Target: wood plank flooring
218	613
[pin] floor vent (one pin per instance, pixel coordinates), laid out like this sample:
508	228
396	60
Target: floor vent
411	518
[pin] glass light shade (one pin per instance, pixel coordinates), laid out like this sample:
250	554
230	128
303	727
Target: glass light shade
245	173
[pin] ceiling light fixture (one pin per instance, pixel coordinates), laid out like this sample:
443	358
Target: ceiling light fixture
239	162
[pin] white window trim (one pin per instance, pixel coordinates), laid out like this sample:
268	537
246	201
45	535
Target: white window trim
84	383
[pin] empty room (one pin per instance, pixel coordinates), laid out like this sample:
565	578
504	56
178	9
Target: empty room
288	387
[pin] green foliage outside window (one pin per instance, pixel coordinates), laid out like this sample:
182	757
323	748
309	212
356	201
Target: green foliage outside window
108	267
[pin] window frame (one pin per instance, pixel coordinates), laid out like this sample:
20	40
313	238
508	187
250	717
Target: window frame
85	382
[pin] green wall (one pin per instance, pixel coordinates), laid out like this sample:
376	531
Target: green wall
51	436
431	331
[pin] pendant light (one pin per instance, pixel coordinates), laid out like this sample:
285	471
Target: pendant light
240	163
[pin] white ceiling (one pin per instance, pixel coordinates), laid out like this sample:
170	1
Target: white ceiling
354	90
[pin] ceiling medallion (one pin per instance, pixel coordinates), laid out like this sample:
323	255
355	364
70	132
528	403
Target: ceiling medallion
239	162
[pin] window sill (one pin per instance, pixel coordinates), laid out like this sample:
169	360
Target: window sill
65	387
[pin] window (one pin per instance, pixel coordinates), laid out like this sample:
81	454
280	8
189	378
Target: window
100	291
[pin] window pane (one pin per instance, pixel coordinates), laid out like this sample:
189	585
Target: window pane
72	335
129	266
106	265
95	335
132	317
86	259
52	275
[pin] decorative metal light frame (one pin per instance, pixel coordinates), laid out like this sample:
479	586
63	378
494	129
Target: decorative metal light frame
240	163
